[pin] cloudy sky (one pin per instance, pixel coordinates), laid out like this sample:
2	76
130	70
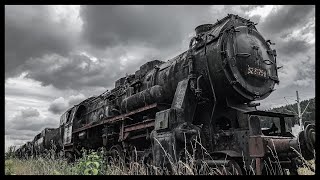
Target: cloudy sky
56	56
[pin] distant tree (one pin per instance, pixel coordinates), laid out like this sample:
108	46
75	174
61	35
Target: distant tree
10	153
309	114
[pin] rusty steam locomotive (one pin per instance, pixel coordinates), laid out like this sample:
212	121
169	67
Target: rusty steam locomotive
207	94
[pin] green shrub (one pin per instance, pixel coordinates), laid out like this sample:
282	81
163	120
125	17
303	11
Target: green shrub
94	163
90	164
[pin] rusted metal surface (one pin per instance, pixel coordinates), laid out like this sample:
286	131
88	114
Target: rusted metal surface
140	125
117	118
269	114
151	95
138	136
282	145
258	166
256	146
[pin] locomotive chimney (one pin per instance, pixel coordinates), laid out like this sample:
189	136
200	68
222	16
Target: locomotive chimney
203	28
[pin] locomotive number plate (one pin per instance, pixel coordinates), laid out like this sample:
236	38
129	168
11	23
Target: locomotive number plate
257	72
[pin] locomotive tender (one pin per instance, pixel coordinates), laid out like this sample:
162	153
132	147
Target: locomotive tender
206	94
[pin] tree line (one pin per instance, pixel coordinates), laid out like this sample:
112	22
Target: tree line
308	115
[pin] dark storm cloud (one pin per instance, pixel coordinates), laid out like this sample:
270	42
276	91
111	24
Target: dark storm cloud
37	44
109	32
158	26
72	72
286	18
289	27
30	32
307	72
293	46
113	33
30	119
280	26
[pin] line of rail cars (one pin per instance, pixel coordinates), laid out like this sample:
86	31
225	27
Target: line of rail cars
207	94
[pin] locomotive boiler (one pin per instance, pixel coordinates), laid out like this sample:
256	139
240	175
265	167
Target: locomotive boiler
206	95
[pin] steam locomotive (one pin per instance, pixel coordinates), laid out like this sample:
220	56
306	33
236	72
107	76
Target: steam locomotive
206	95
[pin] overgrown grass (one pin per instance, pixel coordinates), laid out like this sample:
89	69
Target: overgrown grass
306	170
95	163
92	163
98	163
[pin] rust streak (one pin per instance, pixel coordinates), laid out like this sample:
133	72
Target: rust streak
138	126
117	118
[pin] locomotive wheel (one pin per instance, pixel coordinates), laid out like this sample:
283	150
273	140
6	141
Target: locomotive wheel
273	168
305	146
232	168
276	171
309	134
